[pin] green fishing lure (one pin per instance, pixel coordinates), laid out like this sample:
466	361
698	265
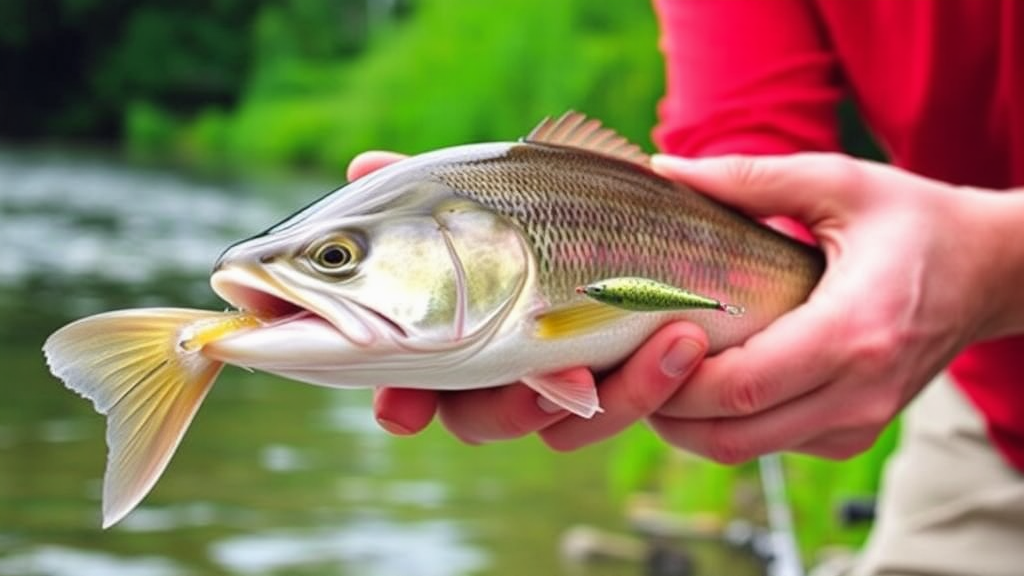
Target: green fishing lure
646	295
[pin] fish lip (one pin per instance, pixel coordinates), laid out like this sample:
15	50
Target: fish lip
256	292
256	295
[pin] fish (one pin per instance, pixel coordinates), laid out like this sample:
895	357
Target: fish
450	270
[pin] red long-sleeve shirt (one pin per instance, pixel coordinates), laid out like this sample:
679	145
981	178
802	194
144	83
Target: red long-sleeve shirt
939	82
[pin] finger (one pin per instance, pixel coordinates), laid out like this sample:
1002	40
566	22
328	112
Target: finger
404	411
503	413
369	161
790	227
736	440
763	372
637	389
840	445
802	185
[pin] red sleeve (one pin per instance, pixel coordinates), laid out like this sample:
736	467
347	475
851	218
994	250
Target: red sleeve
746	76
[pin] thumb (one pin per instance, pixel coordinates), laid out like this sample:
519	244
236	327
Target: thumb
805	186
370	161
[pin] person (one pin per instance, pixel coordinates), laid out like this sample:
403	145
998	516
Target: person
925	266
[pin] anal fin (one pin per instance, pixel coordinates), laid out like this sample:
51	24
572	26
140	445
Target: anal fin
577	397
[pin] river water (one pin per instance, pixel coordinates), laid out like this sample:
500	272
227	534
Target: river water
274	477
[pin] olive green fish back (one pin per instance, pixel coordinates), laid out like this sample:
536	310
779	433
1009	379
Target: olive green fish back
588	216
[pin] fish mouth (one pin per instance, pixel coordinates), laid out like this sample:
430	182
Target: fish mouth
257	294
291	335
255	291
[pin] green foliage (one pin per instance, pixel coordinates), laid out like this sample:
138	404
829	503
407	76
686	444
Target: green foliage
458	71
150	129
637	461
73	68
310	30
168	54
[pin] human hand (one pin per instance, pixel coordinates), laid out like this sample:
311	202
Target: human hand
629	394
909	283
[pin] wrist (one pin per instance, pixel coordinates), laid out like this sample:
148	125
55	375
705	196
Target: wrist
999	223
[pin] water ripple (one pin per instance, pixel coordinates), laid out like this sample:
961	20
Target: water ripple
61	561
113	222
368	548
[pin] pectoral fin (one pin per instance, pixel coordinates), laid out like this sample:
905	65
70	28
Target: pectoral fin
580	398
141	369
575	319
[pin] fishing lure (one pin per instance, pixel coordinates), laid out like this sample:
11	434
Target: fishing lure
646	295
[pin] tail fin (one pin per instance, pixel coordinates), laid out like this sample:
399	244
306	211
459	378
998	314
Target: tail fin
138	369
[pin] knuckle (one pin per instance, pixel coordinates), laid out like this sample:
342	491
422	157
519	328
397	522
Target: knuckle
461	435
744	171
877	413
560	443
666	428
472	428
454	426
743	396
880	348
511	424
727	448
876	341
851	446
855	446
638	400
457	429
842	169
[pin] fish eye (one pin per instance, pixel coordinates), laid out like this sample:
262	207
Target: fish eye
337	255
334	255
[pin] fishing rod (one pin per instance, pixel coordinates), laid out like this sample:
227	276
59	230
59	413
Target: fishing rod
786	553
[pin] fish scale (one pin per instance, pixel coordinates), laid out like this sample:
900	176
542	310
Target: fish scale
589	217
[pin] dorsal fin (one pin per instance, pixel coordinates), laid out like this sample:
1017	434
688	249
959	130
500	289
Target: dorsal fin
575	130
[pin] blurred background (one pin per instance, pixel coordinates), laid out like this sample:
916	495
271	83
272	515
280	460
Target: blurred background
139	138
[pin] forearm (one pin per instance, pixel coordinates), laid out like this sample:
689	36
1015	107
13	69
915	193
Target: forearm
999	220
772	90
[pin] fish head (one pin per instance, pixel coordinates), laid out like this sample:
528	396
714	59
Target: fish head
366	282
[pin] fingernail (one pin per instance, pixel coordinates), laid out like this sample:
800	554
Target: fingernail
547	406
393	427
680	357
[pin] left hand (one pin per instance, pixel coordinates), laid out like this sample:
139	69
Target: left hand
913	276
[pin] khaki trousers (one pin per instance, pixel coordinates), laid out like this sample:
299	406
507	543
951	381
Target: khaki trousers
949	505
